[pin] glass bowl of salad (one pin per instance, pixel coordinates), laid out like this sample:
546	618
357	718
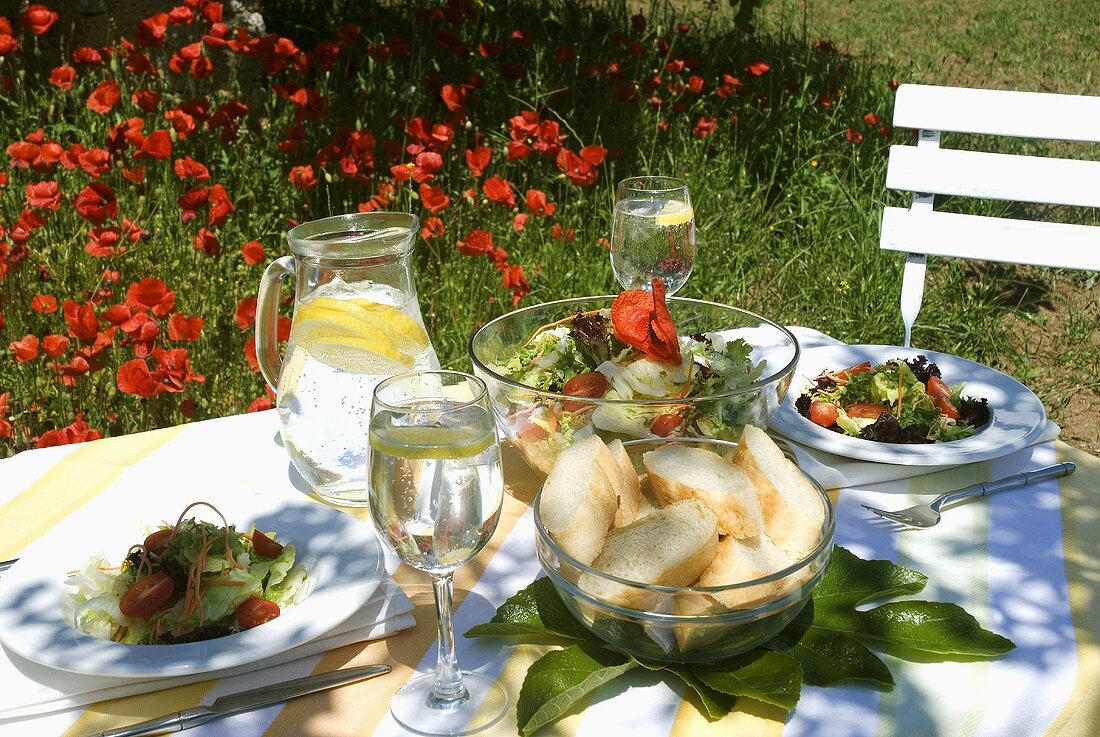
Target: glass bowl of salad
627	369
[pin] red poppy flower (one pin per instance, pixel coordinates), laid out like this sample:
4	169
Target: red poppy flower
220	206
454	97
253	253
82	321
86	55
250	354
853	136
574	167
536	200
150	31
96	203
133	377
478	242
433	228
44	303
104	97
871	119
191	201
207	242
77	432
695	84
498	190
757	68
146	99
188	408
117	314
259	404
105	242
94	161
184	327
303	178
518	150
174	369
151	294
245	315
25	349
157	145
54	345
434	199
704	126
478	158
514	279
43	195
557	232
519	221
37	19
182	123
641	319
188	167
5	412
425	166
62	77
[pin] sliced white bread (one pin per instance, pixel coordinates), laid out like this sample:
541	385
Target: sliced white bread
792	507
578	502
625	481
678	472
647	505
670	547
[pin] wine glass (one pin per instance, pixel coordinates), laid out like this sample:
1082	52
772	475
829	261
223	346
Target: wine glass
436	489
652	233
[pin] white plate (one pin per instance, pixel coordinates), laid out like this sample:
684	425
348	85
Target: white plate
1017	417
342	555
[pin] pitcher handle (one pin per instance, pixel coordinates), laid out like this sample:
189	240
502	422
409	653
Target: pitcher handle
267	312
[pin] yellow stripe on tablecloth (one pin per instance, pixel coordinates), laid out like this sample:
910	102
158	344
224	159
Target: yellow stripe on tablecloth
132	709
749	718
358	710
71	483
1080	539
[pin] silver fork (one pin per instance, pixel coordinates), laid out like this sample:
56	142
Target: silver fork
927	515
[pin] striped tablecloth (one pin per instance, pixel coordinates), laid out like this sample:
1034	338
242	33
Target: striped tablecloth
1026	563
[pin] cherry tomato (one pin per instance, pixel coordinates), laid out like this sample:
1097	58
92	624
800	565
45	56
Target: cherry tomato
588	384
843	377
866	410
157	542
147	596
823	413
663	425
265	546
255	611
941	395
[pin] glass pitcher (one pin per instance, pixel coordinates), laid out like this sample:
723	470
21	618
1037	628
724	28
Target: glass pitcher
356	322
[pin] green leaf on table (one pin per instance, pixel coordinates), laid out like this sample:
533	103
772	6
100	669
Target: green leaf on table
763	675
851	581
831	657
931	627
557	681
536	616
715	704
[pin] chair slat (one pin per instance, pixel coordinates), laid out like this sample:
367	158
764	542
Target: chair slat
991	239
994	176
998	112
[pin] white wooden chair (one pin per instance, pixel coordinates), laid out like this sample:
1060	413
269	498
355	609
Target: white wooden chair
927	170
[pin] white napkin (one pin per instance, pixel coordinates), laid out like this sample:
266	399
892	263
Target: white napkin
835	472
33	690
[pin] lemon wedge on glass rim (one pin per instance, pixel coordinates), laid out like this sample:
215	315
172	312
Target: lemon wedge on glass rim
359	335
675	212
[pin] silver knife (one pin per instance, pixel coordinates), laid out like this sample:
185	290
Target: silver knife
246	701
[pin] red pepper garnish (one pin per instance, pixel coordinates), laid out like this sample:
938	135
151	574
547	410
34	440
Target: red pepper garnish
641	320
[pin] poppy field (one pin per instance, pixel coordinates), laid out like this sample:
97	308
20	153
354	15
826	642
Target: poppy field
147	183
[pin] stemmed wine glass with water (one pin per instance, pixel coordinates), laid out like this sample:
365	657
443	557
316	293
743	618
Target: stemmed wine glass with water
652	232
436	490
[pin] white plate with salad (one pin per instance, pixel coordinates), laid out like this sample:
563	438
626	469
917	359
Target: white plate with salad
888	405
89	597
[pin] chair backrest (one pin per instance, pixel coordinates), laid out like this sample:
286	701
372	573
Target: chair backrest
927	170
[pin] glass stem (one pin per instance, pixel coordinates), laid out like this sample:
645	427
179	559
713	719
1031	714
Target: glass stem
448	688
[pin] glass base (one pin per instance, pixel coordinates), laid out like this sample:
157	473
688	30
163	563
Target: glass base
345	494
486	703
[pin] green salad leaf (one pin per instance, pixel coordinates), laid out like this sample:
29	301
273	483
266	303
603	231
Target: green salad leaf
823	645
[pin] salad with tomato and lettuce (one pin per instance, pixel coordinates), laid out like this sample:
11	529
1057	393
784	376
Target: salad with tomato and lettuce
187	582
899	401
631	353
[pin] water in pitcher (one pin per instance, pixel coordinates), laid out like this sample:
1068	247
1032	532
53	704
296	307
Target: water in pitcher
344	340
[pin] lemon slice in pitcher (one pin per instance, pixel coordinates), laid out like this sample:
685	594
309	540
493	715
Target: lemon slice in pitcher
675	212
358	335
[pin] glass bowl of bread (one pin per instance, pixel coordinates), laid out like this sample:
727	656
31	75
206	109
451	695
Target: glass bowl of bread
624	367
683	549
